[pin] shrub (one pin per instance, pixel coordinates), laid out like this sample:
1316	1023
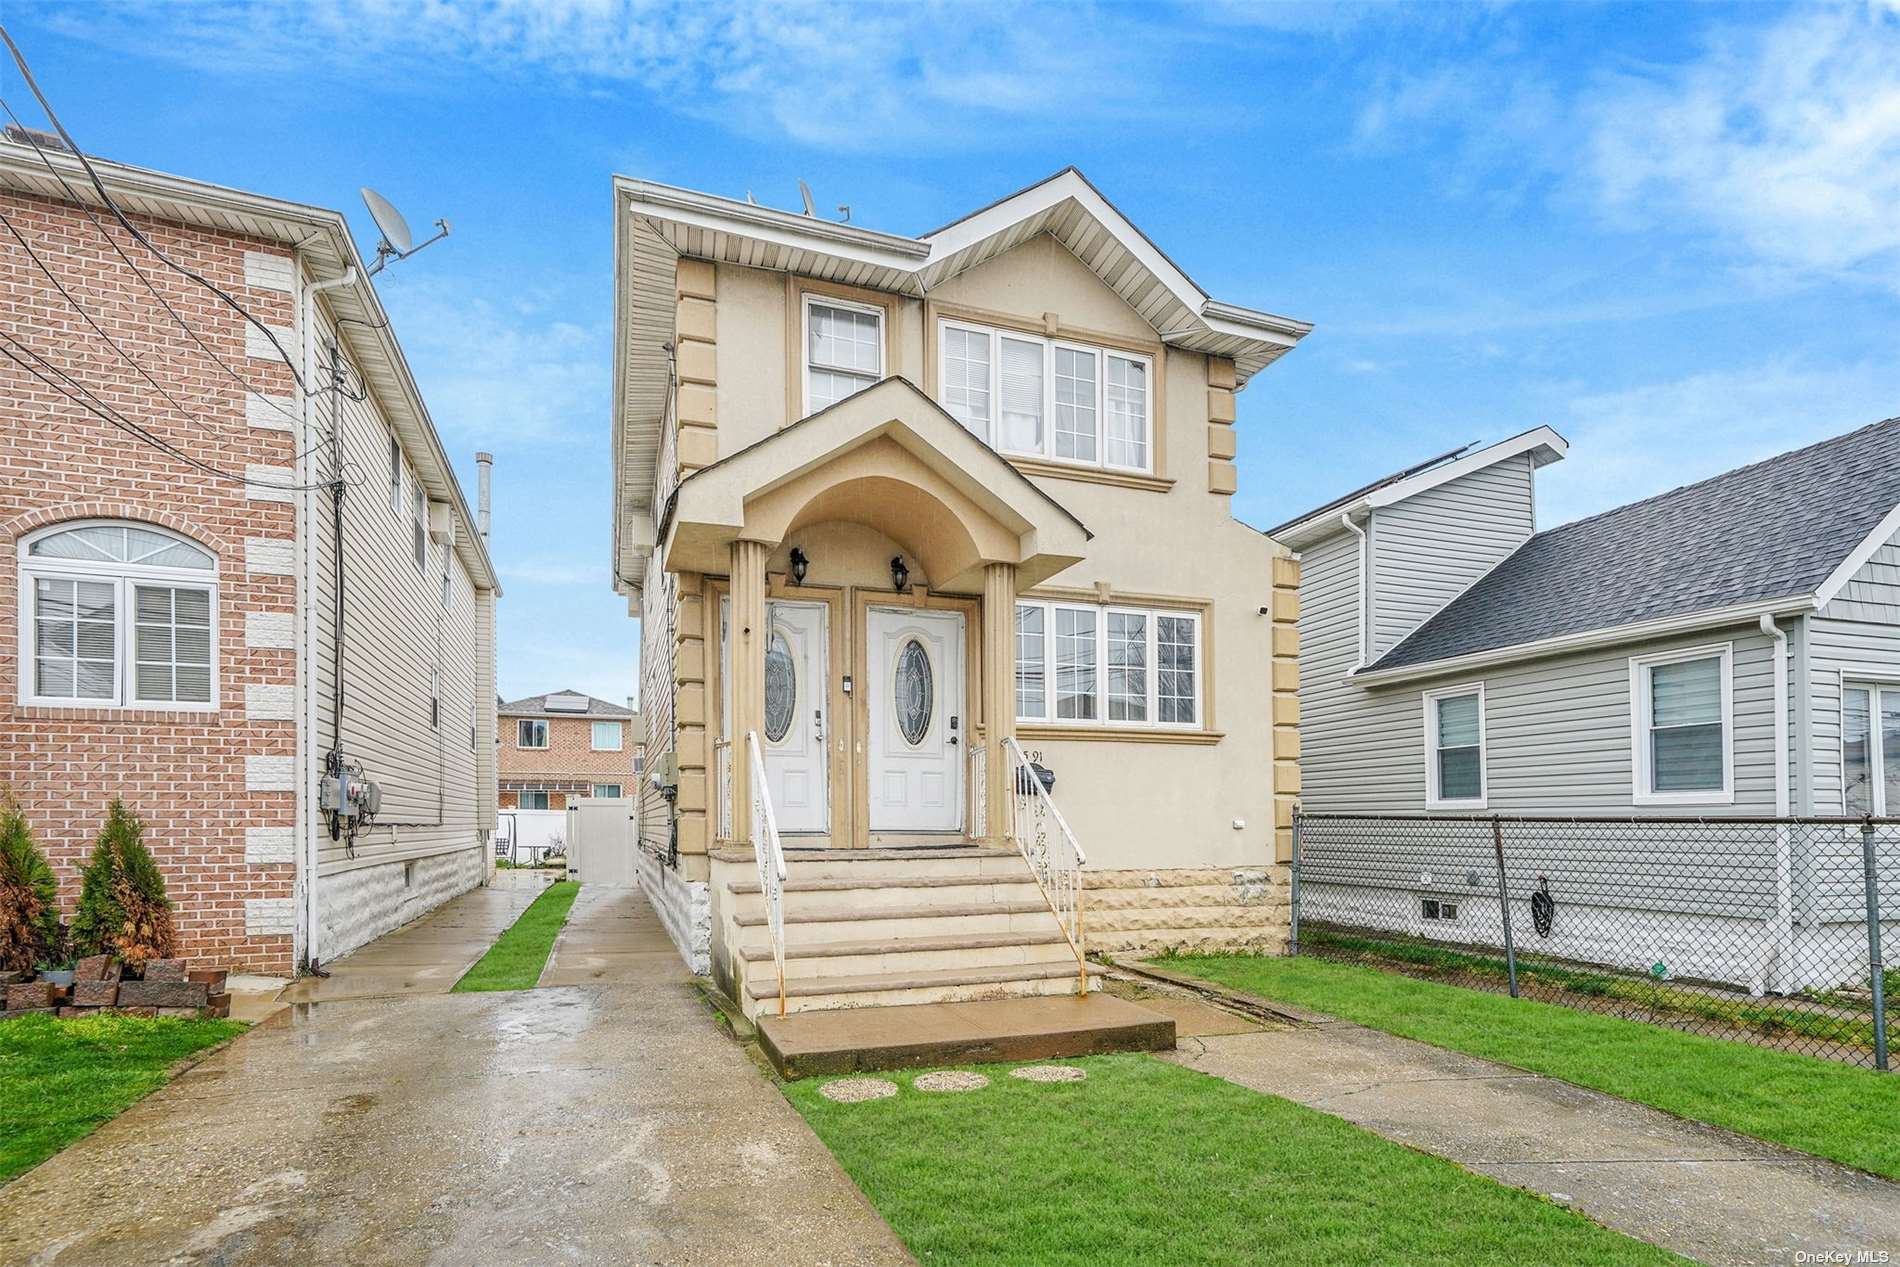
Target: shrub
123	909
29	895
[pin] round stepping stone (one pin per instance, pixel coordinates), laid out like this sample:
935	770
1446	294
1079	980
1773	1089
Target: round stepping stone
858	1090
1049	1073
951	1080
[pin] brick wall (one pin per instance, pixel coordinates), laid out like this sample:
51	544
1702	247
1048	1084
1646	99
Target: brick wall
215	789
569	757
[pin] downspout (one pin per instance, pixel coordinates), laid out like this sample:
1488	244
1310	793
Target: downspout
1782	948
1346	520
306	584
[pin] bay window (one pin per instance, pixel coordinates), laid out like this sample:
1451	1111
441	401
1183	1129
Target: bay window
1079	664
1682	704
1455	774
116	614
1054	399
844	350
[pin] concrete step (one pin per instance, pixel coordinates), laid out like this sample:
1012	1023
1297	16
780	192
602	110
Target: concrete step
893	890
911	954
817	923
888	865
893	989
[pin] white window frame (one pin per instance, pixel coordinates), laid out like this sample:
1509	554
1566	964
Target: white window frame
812	297
1875	682
1433	798
1456	905
419	524
125	578
620	733
1641	792
521	798
1047	451
546	735
619	789
1100	612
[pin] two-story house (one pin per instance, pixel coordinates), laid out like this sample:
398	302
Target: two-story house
914	526
566	746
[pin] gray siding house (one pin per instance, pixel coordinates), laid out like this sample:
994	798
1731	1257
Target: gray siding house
1727	649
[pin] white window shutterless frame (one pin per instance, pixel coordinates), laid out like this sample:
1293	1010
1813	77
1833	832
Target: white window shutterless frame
1456	776
1082	665
1682	714
117	614
843	349
1054	399
1870	748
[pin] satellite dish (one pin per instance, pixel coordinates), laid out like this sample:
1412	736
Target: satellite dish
804	191
389	222
397	242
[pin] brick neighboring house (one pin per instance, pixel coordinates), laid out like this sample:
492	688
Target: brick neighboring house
567	746
166	630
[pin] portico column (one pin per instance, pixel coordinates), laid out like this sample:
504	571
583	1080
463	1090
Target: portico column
746	674
999	686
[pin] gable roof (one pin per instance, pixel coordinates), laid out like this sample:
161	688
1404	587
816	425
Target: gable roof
656	224
1542	443
1775	534
537	706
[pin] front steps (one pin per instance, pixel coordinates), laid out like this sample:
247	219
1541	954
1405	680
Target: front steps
890	927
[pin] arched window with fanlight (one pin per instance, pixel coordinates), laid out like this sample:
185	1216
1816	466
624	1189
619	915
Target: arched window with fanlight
115	614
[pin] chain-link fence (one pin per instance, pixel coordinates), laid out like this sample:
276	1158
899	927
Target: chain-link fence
1766	931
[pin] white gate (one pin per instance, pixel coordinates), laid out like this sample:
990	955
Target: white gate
601	843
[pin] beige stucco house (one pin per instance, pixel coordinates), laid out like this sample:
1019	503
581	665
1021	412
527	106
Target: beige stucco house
910	525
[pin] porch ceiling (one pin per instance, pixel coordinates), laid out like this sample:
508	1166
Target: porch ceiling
892	459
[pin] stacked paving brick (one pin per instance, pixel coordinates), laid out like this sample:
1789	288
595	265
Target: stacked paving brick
162	987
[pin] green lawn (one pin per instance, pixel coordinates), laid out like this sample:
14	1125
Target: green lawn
60	1079
1146	1162
1815	1105
514	962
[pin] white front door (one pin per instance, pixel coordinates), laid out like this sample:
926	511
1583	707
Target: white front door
796	685
914	667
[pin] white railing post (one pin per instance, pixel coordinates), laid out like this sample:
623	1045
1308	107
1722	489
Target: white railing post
770	858
722	790
979	792
1054	855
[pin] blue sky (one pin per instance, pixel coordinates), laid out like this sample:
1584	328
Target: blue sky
1670	232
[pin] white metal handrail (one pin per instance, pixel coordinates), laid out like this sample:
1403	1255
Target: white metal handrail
1054	855
770	856
722	790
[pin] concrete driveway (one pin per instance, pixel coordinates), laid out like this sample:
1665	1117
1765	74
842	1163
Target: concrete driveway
594	1124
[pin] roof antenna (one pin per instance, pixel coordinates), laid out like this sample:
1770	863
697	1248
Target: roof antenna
844	212
750	201
397	242
804	191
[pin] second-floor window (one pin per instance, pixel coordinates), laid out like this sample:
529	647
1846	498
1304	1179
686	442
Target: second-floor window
531	732
844	350
607	736
419	523
1049	398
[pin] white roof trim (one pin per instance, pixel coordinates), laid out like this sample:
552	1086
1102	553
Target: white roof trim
1589	639
1837	580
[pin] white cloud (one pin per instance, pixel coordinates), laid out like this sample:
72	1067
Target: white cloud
1638	441
1785	142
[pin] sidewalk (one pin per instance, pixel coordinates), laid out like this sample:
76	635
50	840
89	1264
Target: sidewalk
612	937
1701	1191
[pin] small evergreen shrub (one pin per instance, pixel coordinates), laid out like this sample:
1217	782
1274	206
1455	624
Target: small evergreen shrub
123	910
30	930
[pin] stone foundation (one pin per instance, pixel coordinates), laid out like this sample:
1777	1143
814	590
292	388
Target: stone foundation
1203	908
684	907
356	907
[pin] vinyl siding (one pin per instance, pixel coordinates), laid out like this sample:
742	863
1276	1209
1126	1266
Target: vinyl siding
1841	651
658	649
1428	549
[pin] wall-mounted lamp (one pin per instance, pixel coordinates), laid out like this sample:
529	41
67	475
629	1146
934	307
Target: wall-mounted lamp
799	566
900	575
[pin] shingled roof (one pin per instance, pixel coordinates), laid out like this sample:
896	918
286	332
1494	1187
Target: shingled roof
1773	530
537	706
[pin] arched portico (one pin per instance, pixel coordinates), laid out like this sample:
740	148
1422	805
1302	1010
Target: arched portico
887	694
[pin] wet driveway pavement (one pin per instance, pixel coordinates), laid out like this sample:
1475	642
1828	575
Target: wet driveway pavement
595	1124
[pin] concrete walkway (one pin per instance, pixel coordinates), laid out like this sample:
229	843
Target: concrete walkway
612	937
586	1125
1703	1192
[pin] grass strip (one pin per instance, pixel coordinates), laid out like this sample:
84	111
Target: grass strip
1147	1162
1807	1103
515	961
60	1079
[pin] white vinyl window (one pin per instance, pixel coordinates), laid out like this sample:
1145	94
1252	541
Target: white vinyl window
607	789
1078	664
418	523
534	800
844	350
117	615
1682	714
1438	910
1455	775
1870	748
1048	398
608	736
531	732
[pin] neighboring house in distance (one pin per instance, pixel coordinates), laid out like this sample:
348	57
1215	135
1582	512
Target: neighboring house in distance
566	746
168	635
1719	650
915	500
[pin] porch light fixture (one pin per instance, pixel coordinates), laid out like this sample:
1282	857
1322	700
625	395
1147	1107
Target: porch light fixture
799	565
900	575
